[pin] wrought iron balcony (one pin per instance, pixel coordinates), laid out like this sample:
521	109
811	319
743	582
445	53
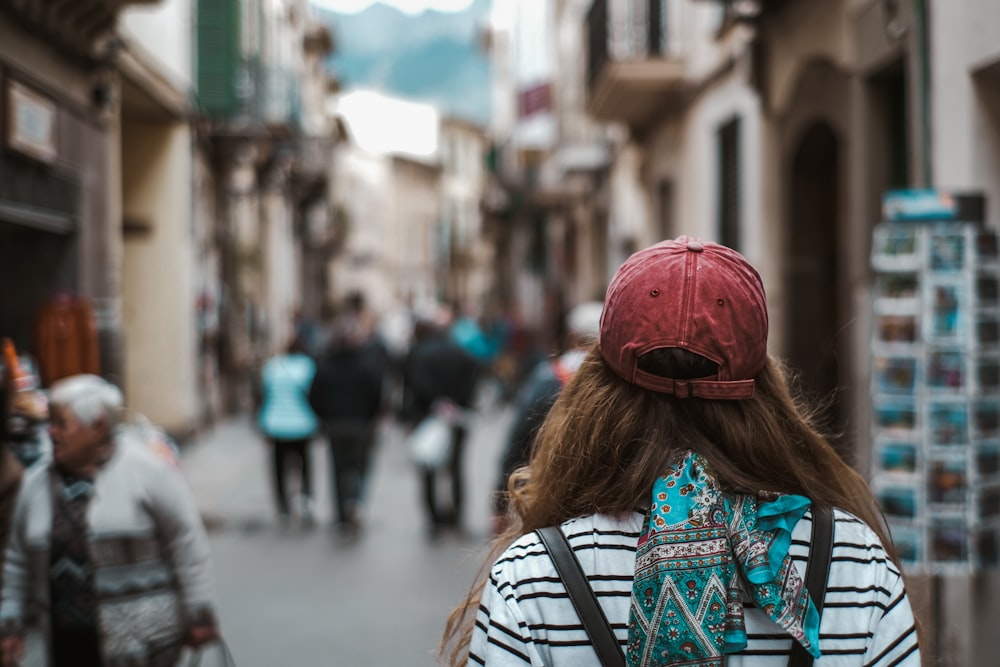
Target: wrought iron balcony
750	10
635	70
78	27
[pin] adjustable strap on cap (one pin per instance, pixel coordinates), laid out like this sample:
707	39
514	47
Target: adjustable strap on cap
712	389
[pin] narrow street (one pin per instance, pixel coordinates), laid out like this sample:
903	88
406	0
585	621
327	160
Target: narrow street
310	597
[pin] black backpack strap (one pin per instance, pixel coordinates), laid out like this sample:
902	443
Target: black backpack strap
817	573
582	596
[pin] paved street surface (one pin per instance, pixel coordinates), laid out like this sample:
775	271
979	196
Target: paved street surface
308	597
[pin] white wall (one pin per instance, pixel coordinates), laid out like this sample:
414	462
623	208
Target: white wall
157	290
281	267
361	181
965	115
164	31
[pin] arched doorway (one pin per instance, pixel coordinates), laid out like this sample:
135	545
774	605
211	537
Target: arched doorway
814	322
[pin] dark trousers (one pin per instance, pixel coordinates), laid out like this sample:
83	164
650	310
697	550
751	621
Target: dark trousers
75	648
351	446
284	450
447	513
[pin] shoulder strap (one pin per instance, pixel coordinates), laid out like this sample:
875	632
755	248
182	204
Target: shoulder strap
817	572
582	596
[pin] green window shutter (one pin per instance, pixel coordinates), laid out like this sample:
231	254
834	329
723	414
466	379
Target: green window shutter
218	57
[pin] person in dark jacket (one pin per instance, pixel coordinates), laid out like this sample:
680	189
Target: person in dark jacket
346	394
537	396
439	371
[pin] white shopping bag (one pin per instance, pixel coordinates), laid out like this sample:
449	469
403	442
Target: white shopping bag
430	442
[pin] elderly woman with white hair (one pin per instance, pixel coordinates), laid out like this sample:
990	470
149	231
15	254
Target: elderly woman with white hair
107	555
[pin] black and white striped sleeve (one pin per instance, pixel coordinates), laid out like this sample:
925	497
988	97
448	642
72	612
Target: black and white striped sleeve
867	618
501	637
893	633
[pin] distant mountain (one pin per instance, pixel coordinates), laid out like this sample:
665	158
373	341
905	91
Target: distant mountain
433	57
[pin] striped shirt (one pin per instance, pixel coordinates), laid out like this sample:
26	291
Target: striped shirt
526	618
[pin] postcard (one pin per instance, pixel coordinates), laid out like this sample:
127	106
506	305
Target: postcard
988	328
986	417
987	550
946	311
947	482
946	369
895	416
947	251
987	372
987	460
988	503
949	423
909	543
898	501
895	375
897	286
949	540
898	457
897	328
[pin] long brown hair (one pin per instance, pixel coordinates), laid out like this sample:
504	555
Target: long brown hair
605	442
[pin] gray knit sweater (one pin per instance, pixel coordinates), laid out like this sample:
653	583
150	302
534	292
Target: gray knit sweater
152	571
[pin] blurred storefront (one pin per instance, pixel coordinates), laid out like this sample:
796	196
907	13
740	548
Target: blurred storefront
59	201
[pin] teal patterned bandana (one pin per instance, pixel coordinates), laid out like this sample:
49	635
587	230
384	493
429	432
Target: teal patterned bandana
700	549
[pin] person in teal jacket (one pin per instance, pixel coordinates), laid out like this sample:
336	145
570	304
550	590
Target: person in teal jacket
289	423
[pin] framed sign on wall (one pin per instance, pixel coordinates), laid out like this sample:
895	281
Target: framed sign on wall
31	122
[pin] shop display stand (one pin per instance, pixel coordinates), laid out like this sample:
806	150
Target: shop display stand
935	389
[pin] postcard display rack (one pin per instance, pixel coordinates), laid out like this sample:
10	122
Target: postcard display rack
936	392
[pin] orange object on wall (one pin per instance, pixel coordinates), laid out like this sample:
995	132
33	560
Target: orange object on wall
66	339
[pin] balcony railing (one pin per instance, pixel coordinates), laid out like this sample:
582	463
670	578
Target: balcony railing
635	67
76	27
749	10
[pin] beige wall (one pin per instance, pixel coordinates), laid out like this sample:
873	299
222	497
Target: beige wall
163	30
282	260
47	68
158	288
965	106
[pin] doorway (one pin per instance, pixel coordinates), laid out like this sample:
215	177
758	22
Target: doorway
813	345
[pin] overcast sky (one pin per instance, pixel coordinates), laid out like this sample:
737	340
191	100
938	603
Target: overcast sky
407	6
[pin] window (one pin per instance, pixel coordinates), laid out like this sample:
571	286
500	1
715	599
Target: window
728	140
217	37
665	204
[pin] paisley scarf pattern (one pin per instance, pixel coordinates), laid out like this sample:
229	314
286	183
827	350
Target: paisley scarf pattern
700	549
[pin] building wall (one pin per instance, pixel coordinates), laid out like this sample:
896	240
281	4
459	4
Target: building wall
158	290
88	260
281	261
463	149
361	181
965	156
162	30
965	106
46	66
416	218
207	285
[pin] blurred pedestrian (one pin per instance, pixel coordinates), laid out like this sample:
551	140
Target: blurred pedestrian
687	481
440	375
23	413
347	395
288	421
24	410
107	554
537	396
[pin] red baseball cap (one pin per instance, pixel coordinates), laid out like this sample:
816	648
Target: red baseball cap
690	294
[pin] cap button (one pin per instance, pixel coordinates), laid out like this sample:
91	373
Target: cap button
694	246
